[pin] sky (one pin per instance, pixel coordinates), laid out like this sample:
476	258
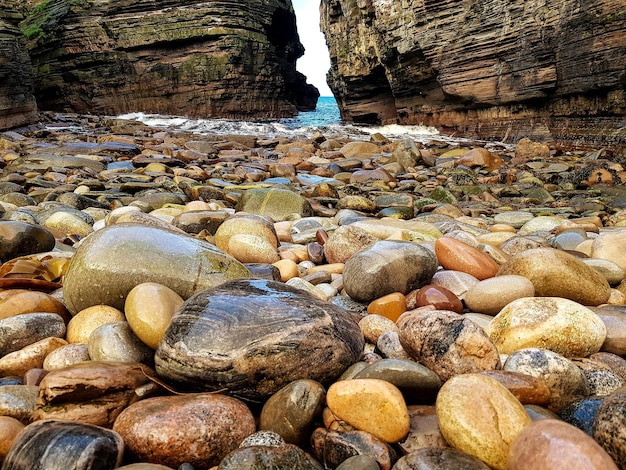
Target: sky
315	62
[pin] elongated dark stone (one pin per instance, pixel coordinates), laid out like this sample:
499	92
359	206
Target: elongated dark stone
63	445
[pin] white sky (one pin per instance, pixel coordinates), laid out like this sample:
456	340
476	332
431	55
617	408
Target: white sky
315	62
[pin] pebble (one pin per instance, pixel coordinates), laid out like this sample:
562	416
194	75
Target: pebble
479	416
296	337
556	273
66	355
424	429
390	306
492	295
82	324
609	427
285	457
279	204
29	357
54	444
9	429
23	330
611	246
149	308
198	429
373	326
455	281
447	343
458	256
17	302
553	323
552	444
439	458
564	379
116	341
385	267
18	401
345	241
439	297
372	405
20	238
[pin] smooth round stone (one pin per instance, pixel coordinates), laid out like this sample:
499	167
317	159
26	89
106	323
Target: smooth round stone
564	379
458	256
251	249
356	203
616	363
92	392
439	458
424	430
116	342
18	302
20	238
263	438
447	343
412	230
611	246
59	445
491	295
553	323
555	273
439	297
29	357
149	308
290	411
370	405
253	337
581	413
386	267
359	462
9	429
21	330
334	447
609	427
455	281
111	261
551	444
514	218
541	224
68	224
479	416
526	388
288	269
66	355
602	380
388	346
87	320
614	320
418	384
389	306
612	272
279	204
373	325
200	429
285	457
249	225
195	221
18	401
569	239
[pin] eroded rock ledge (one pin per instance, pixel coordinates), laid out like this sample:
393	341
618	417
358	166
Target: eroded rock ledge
546	69
17	102
183	57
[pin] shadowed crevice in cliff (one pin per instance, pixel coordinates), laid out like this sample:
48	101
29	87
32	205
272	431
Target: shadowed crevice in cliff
485	69
232	59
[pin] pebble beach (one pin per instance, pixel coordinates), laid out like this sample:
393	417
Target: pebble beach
171	300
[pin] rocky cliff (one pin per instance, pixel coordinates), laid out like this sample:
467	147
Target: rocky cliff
17	102
550	69
228	58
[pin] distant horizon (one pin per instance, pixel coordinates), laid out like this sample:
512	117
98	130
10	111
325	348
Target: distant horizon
316	60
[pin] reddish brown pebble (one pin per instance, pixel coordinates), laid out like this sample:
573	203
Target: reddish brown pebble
551	444
439	297
456	255
527	389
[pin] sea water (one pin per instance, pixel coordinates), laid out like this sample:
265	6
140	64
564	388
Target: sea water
325	119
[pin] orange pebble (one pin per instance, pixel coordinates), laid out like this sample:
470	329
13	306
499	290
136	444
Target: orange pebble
333	268
390	306
288	269
502	228
458	256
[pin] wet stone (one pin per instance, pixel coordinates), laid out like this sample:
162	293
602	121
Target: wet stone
439	458
285	457
261	329
424	430
609	427
82	324
581	413
9	429
18	401
22	330
19	239
116	342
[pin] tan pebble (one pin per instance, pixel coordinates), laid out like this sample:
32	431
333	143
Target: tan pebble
617	298
288	269
555	273
502	228
491	295
585	247
479	416
69	224
149	308
9	429
455	281
390	306
551	444
333	268
370	405
552	323
495	238
424	430
249	225
30	302
197	206
373	325
65	356
248	248
84	322
611	246
29	357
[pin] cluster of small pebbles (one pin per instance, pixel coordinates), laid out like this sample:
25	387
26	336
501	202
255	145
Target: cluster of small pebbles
180	301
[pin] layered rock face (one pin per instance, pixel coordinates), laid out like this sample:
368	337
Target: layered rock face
17	102
550	69
184	57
